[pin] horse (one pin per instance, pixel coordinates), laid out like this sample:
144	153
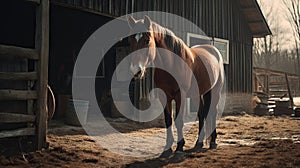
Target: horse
205	62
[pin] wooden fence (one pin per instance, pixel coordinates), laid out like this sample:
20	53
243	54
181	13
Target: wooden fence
36	113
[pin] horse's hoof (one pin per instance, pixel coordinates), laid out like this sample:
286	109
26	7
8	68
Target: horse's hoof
180	145
198	146
179	152
213	145
179	155
179	149
166	153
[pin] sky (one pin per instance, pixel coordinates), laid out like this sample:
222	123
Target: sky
278	19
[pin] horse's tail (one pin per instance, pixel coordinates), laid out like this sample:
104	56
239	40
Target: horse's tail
220	85
215	52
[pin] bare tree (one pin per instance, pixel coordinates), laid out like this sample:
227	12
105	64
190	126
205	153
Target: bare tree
266	49
293	8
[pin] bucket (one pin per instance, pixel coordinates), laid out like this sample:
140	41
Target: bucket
73	118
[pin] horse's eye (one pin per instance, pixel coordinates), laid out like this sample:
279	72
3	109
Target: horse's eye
147	41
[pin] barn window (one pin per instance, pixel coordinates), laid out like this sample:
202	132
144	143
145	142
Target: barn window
223	46
197	39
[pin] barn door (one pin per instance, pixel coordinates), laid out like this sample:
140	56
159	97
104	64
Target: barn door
33	117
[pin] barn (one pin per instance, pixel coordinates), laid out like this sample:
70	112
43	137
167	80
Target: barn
40	41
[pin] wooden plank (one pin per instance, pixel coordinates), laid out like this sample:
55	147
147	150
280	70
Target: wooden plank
35	2
42	45
18	75
13	51
17	95
18	132
79	8
15	118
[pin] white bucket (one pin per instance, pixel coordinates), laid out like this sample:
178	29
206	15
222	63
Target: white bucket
78	117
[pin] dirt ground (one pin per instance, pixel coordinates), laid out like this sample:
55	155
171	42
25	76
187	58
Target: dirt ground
244	141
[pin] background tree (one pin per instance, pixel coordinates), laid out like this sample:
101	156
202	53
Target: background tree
275	51
293	16
267	49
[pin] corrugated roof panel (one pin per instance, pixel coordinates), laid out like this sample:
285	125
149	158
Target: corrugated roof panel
115	8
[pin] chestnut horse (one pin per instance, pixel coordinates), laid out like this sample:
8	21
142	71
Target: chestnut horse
205	63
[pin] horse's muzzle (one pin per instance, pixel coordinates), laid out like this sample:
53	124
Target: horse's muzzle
138	71
139	74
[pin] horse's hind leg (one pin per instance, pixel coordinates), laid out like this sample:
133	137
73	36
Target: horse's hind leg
203	110
211	123
212	118
201	117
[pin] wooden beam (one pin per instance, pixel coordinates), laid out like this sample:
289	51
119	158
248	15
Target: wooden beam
58	3
18	132
17	95
42	45
35	2
248	6
18	75
13	51
255	22
15	118
289	90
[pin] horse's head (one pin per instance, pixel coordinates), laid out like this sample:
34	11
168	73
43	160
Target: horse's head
142	43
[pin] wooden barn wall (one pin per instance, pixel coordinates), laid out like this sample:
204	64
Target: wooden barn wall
217	18
18	29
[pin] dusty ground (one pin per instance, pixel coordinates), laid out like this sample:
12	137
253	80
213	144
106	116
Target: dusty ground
244	141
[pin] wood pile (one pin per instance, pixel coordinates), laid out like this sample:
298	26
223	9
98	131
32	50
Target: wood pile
266	105
283	107
262	104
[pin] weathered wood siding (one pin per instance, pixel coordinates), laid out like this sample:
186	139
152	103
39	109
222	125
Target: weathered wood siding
217	18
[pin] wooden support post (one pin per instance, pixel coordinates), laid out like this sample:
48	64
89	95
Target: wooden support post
42	45
289	90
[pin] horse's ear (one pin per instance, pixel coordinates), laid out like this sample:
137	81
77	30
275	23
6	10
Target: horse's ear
147	21
131	22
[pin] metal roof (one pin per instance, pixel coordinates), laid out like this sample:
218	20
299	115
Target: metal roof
255	18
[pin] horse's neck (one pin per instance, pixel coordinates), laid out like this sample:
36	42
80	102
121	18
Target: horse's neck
174	44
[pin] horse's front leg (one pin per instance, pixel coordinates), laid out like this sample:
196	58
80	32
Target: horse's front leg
168	122
170	139
179	120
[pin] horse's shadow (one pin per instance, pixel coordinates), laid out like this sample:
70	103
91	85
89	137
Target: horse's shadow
163	161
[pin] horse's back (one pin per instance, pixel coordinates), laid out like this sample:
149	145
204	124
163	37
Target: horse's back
211	49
